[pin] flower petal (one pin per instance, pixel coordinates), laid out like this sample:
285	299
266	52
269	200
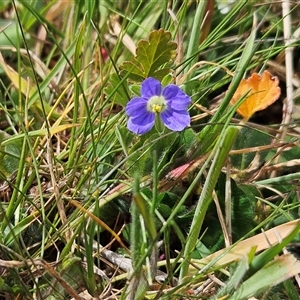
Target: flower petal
176	120
136	106
150	87
142	123
175	97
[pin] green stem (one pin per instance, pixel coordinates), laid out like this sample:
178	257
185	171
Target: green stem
195	36
222	150
155	185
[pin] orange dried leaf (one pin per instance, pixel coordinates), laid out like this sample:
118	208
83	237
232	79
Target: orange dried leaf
264	91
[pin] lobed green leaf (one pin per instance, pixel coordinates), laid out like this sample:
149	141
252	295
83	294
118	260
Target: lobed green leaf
151	57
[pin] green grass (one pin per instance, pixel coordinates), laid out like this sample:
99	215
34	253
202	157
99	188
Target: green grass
89	209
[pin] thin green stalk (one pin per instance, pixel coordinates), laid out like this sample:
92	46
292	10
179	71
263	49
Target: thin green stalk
88	241
137	285
195	35
155	185
212	132
222	150
279	179
136	237
291	289
77	90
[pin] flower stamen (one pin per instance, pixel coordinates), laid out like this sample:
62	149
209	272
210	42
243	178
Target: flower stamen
156	104
156	108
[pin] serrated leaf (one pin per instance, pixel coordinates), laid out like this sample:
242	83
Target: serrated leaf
151	56
134	70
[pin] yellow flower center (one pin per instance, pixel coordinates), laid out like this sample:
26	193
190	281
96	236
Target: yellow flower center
156	104
156	108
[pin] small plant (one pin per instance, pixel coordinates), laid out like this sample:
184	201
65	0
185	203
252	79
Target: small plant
148	150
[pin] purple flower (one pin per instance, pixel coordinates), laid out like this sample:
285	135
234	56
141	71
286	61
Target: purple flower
169	104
